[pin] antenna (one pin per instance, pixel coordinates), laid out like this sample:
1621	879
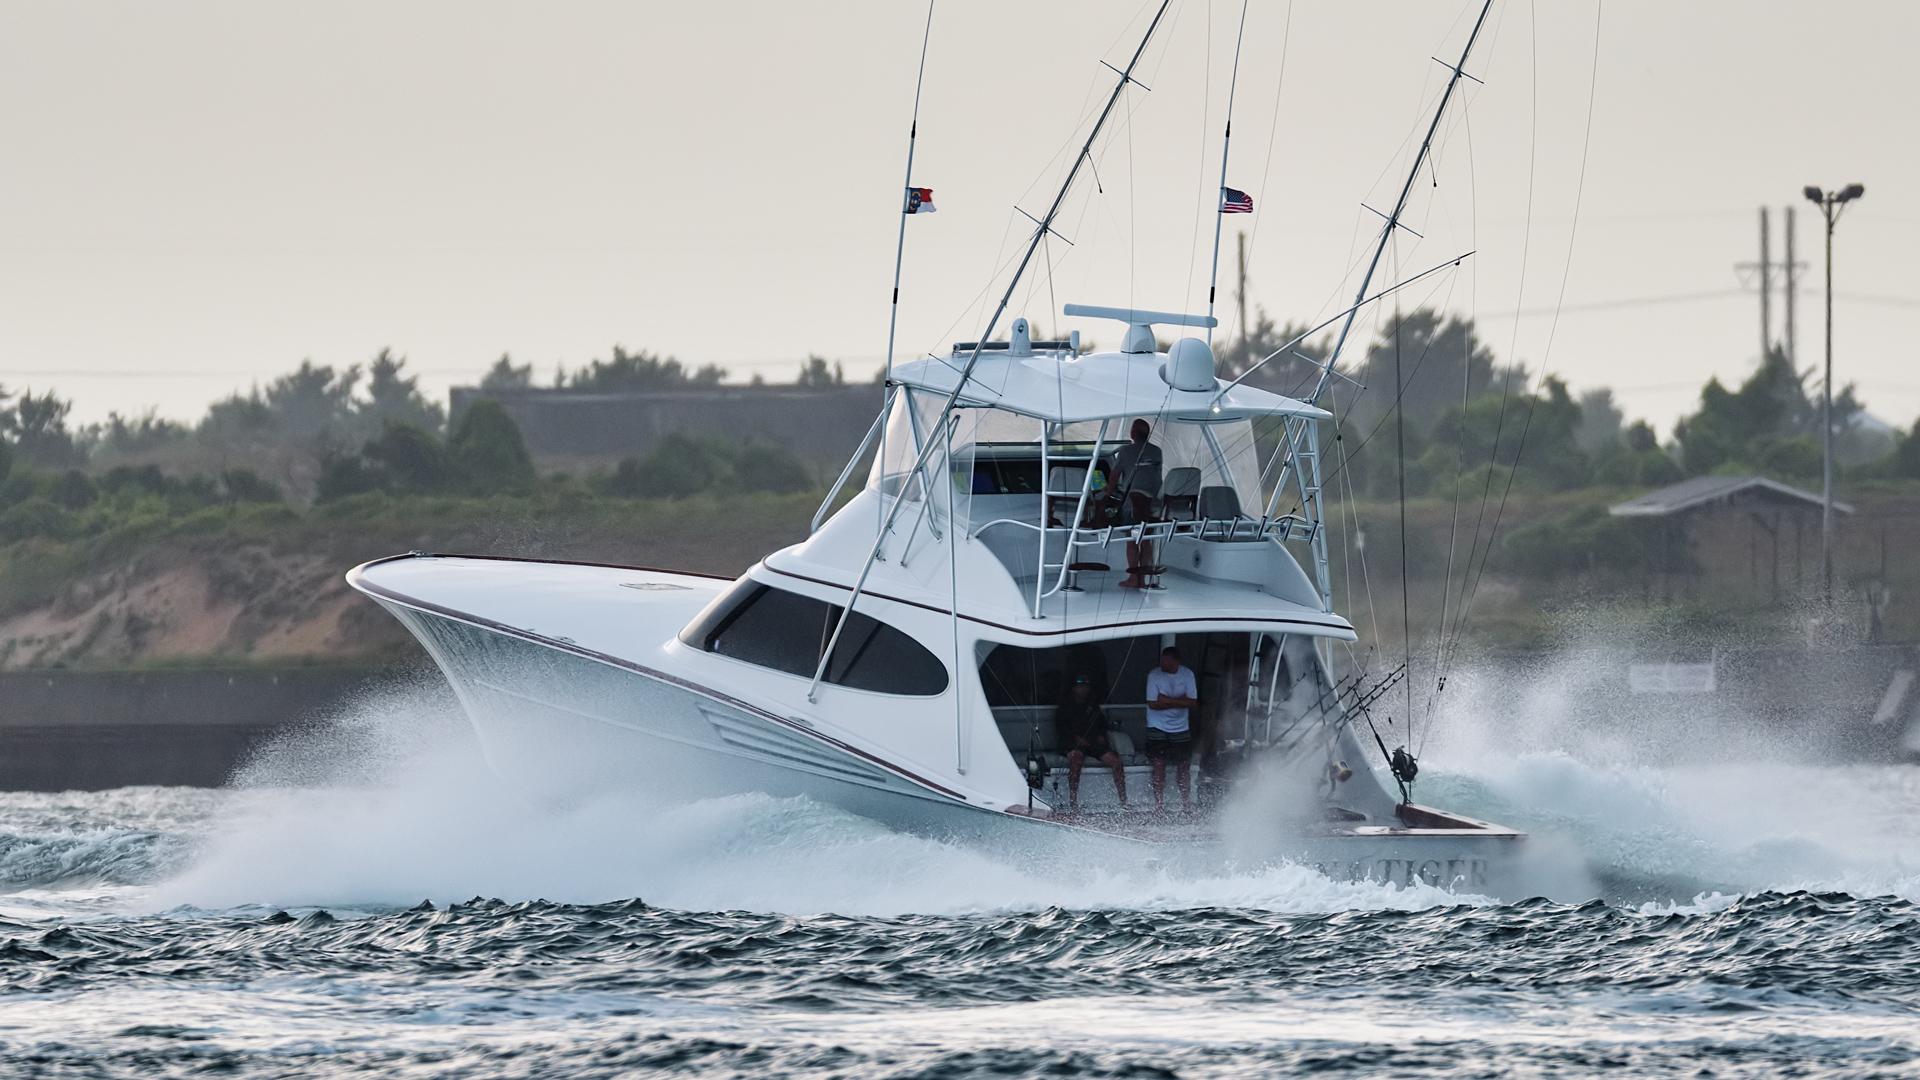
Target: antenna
1226	143
913	136
1400	204
900	245
1040	231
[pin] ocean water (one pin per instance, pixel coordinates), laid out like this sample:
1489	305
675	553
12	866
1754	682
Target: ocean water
372	902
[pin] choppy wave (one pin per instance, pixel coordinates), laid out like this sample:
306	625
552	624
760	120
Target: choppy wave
476	987
1749	914
133	836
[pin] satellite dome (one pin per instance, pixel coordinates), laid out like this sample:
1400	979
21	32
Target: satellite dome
1189	365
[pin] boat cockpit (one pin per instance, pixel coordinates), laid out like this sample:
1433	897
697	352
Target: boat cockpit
1265	703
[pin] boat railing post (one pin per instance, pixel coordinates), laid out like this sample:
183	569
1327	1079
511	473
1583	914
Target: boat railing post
962	750
921	440
866	444
1079	513
1311	505
1046	517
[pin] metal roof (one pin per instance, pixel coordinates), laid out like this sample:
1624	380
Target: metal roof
1706	490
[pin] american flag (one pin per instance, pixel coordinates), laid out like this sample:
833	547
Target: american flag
920	200
1235	202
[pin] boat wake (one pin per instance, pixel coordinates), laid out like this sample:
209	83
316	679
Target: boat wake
1665	806
396	806
390	804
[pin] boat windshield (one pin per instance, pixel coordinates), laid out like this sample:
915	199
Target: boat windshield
998	467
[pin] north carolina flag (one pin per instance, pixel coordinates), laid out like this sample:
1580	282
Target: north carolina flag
1235	202
920	200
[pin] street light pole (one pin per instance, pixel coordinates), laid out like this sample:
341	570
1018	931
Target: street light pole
1830	204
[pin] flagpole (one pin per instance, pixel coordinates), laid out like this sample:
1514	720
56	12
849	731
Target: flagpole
1226	143
900	243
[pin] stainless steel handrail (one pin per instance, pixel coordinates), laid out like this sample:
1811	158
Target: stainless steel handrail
1289	527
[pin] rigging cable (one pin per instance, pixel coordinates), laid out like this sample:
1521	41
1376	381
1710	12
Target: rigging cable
1580	186
1513	343
1400	453
1460	443
1200	174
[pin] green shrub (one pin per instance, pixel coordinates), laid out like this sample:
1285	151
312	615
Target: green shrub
37	517
487	451
760	467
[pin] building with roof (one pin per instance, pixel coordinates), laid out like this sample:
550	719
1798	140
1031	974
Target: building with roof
1704	520
569	427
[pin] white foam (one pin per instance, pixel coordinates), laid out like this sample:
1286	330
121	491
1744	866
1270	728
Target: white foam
394	806
423	818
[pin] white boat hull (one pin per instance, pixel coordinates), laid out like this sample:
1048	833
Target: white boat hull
567	723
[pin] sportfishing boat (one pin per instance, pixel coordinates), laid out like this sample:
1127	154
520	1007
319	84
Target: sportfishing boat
1036	518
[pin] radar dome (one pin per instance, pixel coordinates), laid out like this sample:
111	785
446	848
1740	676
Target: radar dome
1189	365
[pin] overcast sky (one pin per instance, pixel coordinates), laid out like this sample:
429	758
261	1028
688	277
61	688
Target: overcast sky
200	194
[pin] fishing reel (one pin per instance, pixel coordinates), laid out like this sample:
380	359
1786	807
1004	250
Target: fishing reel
1036	772
1403	766
1036	763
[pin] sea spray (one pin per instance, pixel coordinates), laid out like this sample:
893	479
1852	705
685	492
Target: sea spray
1662	800
390	802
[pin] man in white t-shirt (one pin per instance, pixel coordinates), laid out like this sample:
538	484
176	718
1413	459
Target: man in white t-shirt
1171	695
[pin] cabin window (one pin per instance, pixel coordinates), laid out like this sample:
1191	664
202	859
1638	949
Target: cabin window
1006	476
782	630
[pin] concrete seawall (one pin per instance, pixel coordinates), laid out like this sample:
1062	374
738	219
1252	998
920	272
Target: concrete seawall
87	730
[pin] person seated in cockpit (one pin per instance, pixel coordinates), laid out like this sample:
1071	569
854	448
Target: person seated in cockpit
1082	728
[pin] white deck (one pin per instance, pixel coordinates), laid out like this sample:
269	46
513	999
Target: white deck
624	613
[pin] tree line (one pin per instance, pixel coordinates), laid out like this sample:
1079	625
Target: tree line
1467	423
1468	420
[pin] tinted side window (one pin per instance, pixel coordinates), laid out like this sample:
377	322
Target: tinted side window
774	628
785	631
874	656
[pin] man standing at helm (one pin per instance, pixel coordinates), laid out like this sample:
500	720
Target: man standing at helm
1136	483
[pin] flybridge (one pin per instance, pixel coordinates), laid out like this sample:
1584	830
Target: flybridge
1021	344
1139	338
1140	323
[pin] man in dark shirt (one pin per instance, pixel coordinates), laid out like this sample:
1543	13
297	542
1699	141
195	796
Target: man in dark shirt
1082	728
1136	485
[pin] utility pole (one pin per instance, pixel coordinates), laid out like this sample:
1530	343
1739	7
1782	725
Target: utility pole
1792	271
1766	290
1831	203
1764	270
1241	294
